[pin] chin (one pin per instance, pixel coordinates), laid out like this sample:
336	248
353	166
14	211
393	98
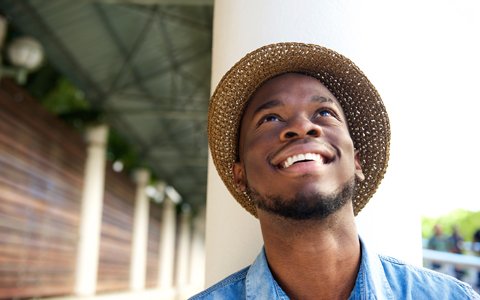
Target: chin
308	203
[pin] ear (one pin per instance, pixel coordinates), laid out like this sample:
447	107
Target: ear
239	177
358	167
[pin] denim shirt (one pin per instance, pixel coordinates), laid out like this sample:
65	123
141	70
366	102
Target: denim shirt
379	277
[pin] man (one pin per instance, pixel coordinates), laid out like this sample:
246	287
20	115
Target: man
301	139
439	242
476	250
455	245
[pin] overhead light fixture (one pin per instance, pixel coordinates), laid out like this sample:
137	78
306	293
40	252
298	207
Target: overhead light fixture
24	53
160	196
151	191
118	166
156	192
173	194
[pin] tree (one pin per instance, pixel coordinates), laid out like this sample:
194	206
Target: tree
467	221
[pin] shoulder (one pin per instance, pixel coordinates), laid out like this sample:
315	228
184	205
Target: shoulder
232	287
407	280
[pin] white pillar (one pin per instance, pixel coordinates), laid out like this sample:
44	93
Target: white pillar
183	251
233	237
138	266
91	212
197	254
167	245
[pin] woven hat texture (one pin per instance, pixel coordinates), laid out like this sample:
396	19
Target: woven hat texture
367	117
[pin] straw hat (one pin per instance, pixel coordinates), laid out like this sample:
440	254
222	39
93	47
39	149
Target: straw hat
367	118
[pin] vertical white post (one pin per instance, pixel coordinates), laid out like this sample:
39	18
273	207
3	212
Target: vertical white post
167	245
181	272
138	266
197	254
233	237
91	212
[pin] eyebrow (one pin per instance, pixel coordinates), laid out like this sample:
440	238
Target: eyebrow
276	103
321	99
267	105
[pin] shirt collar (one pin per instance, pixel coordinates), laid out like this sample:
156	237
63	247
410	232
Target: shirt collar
259	283
371	281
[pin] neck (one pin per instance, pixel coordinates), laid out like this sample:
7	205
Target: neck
313	259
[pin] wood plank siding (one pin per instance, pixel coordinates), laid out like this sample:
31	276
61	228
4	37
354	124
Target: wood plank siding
41	178
116	233
42	164
153	245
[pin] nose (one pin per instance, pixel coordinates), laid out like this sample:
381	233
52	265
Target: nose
300	127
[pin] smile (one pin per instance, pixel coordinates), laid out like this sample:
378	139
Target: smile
303	157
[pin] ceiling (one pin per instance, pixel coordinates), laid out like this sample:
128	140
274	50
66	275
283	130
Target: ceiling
145	63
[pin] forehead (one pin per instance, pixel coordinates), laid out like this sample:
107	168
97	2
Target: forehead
286	84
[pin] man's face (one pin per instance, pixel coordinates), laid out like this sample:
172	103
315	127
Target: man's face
295	149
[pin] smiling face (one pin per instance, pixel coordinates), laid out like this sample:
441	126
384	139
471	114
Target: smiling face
295	150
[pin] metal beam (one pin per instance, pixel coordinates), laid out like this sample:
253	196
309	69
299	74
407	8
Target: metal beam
37	19
161	71
197	85
128	55
186	21
167	41
163	140
161	113
193	23
162	2
160	100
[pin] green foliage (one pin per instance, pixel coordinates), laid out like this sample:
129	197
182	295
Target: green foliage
120	149
468	222
69	103
65	100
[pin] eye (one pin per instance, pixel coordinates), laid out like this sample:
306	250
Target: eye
324	113
269	118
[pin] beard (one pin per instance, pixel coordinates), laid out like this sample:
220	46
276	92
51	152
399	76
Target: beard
305	205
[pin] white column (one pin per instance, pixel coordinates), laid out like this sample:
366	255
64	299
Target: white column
197	254
233	237
183	257
167	245
138	266
91	212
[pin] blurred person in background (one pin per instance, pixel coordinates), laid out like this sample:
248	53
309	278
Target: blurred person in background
438	242
476	251
455	245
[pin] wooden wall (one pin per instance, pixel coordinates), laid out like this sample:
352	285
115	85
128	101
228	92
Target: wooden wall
116	233
41	178
155	221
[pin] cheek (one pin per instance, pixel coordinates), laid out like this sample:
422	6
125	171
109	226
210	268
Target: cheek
341	137
349	153
260	143
344	142
256	156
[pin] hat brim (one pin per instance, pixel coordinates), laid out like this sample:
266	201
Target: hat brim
366	114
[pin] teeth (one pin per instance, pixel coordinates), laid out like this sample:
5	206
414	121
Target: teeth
299	157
